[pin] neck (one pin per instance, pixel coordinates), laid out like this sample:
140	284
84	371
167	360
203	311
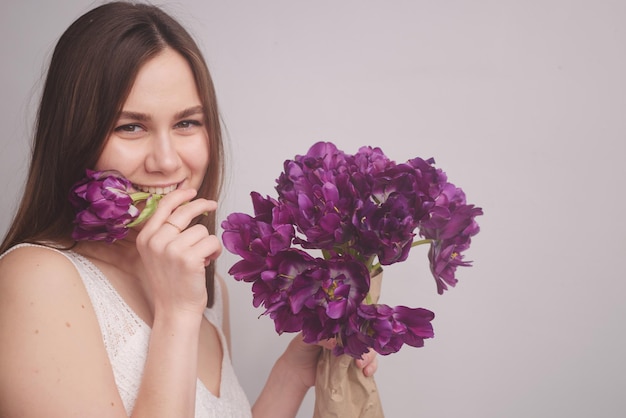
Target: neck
123	253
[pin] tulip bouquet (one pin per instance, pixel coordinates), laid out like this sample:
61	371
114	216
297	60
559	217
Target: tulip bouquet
360	212
104	202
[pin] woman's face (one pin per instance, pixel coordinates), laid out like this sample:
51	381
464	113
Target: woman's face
160	142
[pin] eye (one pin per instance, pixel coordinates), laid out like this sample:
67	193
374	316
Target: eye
129	128
188	124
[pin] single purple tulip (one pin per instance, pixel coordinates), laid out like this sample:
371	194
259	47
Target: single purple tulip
103	207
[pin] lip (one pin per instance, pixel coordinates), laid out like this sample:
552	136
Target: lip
157	189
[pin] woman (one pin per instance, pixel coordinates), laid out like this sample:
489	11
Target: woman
138	327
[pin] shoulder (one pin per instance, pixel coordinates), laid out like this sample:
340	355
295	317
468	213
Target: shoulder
49	333
31	259
37	266
36	271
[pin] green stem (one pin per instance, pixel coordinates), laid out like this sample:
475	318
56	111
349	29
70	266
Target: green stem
373	269
139	196
423	241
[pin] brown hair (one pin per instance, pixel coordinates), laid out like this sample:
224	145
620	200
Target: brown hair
91	73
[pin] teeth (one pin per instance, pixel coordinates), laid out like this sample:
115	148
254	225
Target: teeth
157	190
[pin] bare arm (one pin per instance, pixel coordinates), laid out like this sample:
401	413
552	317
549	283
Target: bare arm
174	283
292	376
52	356
285	388
290	379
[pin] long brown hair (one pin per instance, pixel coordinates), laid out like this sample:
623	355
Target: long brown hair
91	73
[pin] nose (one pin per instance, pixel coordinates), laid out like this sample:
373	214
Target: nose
163	156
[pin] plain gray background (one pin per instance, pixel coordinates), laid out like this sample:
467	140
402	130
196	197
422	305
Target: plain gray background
522	103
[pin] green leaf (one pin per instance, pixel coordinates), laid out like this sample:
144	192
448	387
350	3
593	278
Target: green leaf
151	205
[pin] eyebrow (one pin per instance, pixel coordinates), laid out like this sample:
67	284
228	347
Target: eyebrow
142	117
189	112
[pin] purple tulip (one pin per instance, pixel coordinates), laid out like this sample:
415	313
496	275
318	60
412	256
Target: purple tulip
450	226
393	327
386	229
315	191
255	239
312	295
103	206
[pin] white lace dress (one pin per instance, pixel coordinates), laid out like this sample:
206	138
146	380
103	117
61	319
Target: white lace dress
126	338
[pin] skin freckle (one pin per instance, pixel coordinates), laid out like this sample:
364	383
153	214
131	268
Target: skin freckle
36	331
67	324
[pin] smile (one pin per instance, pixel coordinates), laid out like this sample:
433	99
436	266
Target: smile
156	189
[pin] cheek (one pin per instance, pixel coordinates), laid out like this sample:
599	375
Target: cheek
115	157
205	159
197	156
207	156
197	161
104	161
199	165
106	157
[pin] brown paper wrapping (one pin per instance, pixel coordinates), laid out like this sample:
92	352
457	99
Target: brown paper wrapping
341	389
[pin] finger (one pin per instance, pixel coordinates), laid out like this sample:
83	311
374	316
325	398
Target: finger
176	227
184	214
366	359
195	247
369	363
172	200
178	213
197	237
370	369
166	206
216	249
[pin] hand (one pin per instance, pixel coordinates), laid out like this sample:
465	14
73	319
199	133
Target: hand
175	256
302	359
368	362
292	376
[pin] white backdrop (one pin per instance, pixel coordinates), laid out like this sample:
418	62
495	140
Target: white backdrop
521	102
